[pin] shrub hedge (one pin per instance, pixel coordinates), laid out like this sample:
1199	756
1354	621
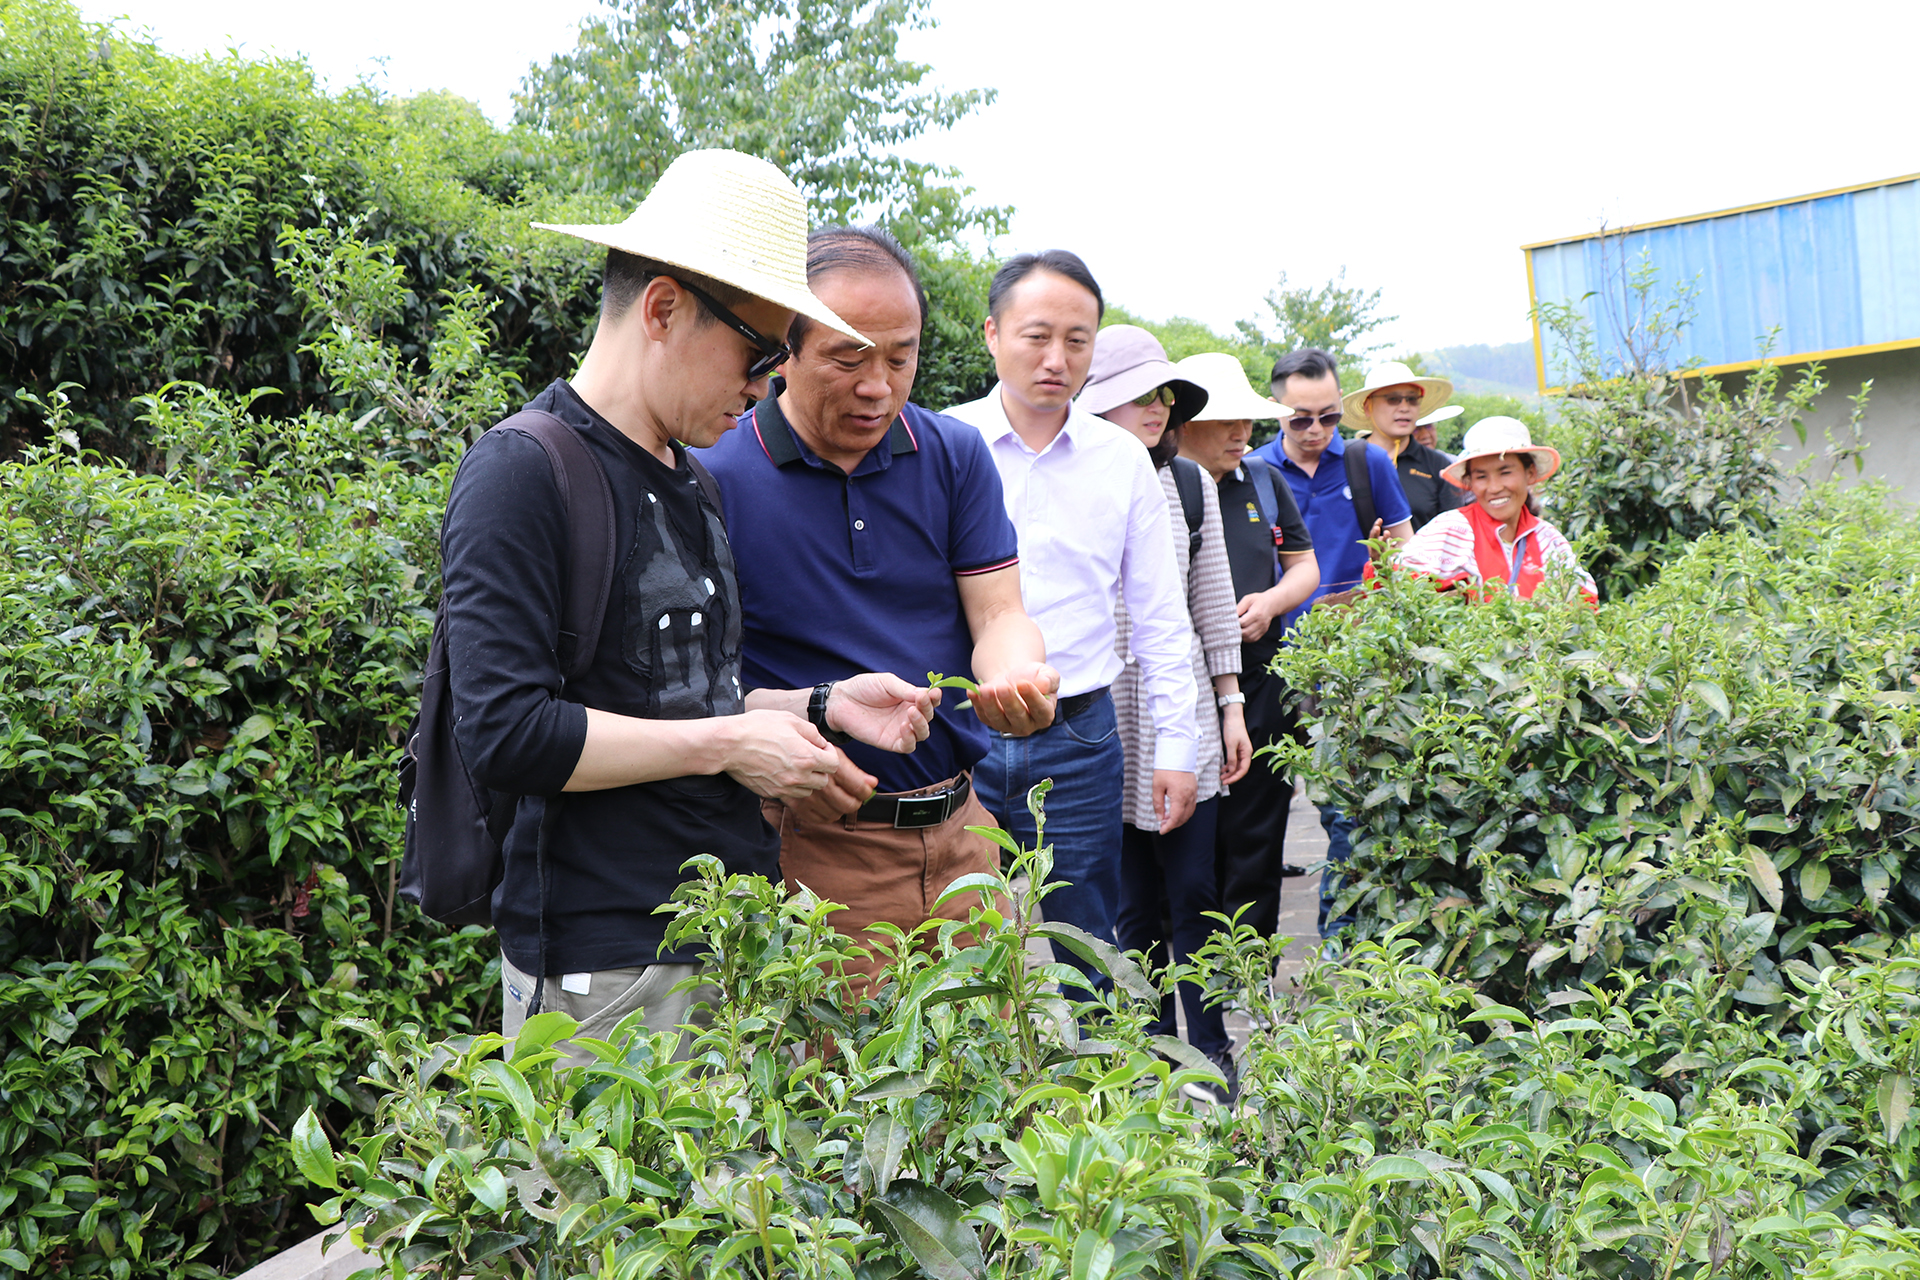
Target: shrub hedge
203	674
956	1125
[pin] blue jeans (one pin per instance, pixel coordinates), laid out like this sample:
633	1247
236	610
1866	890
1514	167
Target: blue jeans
1332	880
1167	887
1084	758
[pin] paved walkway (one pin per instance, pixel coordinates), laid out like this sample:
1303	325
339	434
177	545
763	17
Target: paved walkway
1299	906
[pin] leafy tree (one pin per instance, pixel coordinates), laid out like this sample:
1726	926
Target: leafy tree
815	86
1335	317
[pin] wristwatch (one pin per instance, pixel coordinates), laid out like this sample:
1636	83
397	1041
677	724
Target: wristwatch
1230	699
817	714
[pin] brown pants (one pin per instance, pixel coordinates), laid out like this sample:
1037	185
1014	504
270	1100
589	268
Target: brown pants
883	873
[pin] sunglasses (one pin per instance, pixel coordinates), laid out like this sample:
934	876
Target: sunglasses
1306	420
773	352
1163	394
1398	398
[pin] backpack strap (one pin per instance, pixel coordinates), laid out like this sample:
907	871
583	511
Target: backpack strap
1187	480
588	499
704	478
1264	493
1360	481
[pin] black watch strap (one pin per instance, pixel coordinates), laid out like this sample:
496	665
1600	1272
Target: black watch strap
817	713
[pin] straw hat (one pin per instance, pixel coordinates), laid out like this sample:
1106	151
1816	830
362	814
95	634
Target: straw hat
1433	391
729	217
1127	362
1439	416
1493	437
1230	397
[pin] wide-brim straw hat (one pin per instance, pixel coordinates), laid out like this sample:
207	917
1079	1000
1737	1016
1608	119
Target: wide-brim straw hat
727	216
1434	392
1439	416
1494	437
1128	362
1230	397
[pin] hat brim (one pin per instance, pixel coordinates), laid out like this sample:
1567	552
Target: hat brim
1546	461
1235	409
619	235
1102	397
1434	392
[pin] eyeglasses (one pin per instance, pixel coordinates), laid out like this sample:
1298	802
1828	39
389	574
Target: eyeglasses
1306	420
1163	394
773	352
1398	398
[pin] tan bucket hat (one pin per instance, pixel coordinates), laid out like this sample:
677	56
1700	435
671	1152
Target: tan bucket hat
1230	397
1434	392
727	216
1492	437
1127	362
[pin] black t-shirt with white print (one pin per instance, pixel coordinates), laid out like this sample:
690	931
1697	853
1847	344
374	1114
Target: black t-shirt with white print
669	649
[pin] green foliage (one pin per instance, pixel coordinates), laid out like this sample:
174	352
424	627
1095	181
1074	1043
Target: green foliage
955	366
815	86
207	672
143	197
1335	317
1697	804
953	1124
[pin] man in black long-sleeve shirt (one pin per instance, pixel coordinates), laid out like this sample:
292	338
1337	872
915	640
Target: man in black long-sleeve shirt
656	752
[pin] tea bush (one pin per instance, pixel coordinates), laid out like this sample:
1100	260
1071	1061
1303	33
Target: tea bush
954	1124
203	675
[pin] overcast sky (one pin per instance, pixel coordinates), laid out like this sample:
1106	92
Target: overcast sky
1193	151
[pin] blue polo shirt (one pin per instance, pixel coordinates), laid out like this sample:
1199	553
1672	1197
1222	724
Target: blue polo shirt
841	573
1326	503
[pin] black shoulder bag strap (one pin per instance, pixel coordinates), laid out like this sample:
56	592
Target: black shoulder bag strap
704	478
588	500
1361	483
1186	481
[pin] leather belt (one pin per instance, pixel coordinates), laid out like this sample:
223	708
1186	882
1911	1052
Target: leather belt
928	810
1071	707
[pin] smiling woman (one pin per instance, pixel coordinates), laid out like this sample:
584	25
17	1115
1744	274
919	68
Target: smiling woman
1498	538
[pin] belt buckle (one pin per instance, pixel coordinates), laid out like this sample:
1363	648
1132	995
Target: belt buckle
921	811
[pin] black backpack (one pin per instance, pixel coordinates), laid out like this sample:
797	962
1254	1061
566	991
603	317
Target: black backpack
1187	479
456	829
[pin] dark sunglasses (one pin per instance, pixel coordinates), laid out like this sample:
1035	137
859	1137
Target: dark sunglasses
1305	420
1163	394
773	352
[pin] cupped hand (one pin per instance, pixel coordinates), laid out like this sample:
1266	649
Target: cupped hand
1021	701
848	789
1256	615
882	710
777	755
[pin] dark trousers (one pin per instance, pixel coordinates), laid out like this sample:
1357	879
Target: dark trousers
1253	816
1334	877
1167	887
1084	758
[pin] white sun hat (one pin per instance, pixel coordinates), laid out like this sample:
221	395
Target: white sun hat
1439	416
1230	397
1434	392
1493	437
727	216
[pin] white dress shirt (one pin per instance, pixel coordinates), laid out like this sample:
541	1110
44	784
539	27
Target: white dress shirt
1093	527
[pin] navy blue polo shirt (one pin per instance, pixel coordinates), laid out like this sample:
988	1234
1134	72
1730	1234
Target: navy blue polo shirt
842	573
1327	504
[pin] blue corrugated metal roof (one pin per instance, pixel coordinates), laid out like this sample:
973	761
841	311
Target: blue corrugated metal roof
1831	273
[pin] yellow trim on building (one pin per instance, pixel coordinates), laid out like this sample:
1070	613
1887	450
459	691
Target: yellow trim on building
1742	366
1533	314
1718	213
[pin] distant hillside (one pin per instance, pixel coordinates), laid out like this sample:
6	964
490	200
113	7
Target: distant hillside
1508	367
